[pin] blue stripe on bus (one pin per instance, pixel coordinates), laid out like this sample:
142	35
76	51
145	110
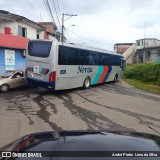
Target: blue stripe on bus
108	73
98	75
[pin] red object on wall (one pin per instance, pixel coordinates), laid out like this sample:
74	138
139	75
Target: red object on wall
7	30
11	41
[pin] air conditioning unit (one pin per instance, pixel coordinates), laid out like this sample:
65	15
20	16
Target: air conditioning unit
24	53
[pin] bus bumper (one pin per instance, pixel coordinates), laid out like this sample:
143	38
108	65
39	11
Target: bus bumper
40	83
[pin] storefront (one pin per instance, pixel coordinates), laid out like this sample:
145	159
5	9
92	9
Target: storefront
12	52
11	59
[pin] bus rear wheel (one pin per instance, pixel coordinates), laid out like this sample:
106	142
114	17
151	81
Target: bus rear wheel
116	78
87	83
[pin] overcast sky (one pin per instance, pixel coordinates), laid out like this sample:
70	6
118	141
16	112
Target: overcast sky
104	21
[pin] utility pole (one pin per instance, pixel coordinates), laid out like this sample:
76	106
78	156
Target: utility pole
70	15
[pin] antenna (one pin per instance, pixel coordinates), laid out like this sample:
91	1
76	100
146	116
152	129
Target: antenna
40	16
144	32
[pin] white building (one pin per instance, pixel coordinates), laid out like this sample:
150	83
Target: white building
15	32
20	26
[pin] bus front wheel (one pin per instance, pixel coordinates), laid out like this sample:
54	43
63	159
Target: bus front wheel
87	83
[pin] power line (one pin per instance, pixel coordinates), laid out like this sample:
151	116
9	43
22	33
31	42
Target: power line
33	9
88	39
46	7
59	8
49	8
44	14
64	8
68	36
53	4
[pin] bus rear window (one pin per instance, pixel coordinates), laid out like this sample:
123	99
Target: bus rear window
39	48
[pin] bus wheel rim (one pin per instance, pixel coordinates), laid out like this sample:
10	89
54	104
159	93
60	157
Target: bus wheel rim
87	83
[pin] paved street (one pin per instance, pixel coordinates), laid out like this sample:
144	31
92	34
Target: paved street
113	106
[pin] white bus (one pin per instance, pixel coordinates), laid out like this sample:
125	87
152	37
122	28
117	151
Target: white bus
51	65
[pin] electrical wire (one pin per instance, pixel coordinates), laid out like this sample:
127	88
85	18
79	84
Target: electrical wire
33	9
63	6
68	36
59	9
45	5
49	8
44	14
88	39
54	6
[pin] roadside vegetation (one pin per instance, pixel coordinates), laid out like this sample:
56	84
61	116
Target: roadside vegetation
144	76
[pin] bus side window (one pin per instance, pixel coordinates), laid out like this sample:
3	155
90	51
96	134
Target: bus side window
90	59
101	59
82	57
106	60
72	56
95	57
63	56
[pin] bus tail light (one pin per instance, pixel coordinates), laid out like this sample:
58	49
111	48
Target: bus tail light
52	77
26	72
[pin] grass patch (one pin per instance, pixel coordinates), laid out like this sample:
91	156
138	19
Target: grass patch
146	72
143	85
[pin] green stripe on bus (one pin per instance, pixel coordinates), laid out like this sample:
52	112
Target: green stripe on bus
98	75
42	70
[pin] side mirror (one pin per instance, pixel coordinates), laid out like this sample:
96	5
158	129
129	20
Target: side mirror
123	64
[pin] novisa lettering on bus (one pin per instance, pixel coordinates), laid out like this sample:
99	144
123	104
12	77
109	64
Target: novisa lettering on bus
82	69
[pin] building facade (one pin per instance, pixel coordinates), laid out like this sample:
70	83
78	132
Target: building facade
147	50
144	50
15	32
121	47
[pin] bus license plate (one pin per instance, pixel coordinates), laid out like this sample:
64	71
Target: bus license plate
36	75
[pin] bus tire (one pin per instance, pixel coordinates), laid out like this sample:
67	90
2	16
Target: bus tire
87	83
115	78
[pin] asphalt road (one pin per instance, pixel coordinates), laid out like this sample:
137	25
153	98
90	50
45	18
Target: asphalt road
112	106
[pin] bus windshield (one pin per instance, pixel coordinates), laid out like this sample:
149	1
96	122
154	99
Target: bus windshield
39	48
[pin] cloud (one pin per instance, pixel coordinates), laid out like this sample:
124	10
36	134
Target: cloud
2	2
105	21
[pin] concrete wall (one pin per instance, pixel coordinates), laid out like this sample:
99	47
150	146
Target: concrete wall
154	54
142	56
121	48
31	31
12	25
129	54
41	34
147	43
50	37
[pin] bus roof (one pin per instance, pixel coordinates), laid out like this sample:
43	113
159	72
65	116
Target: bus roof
82	47
89	48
